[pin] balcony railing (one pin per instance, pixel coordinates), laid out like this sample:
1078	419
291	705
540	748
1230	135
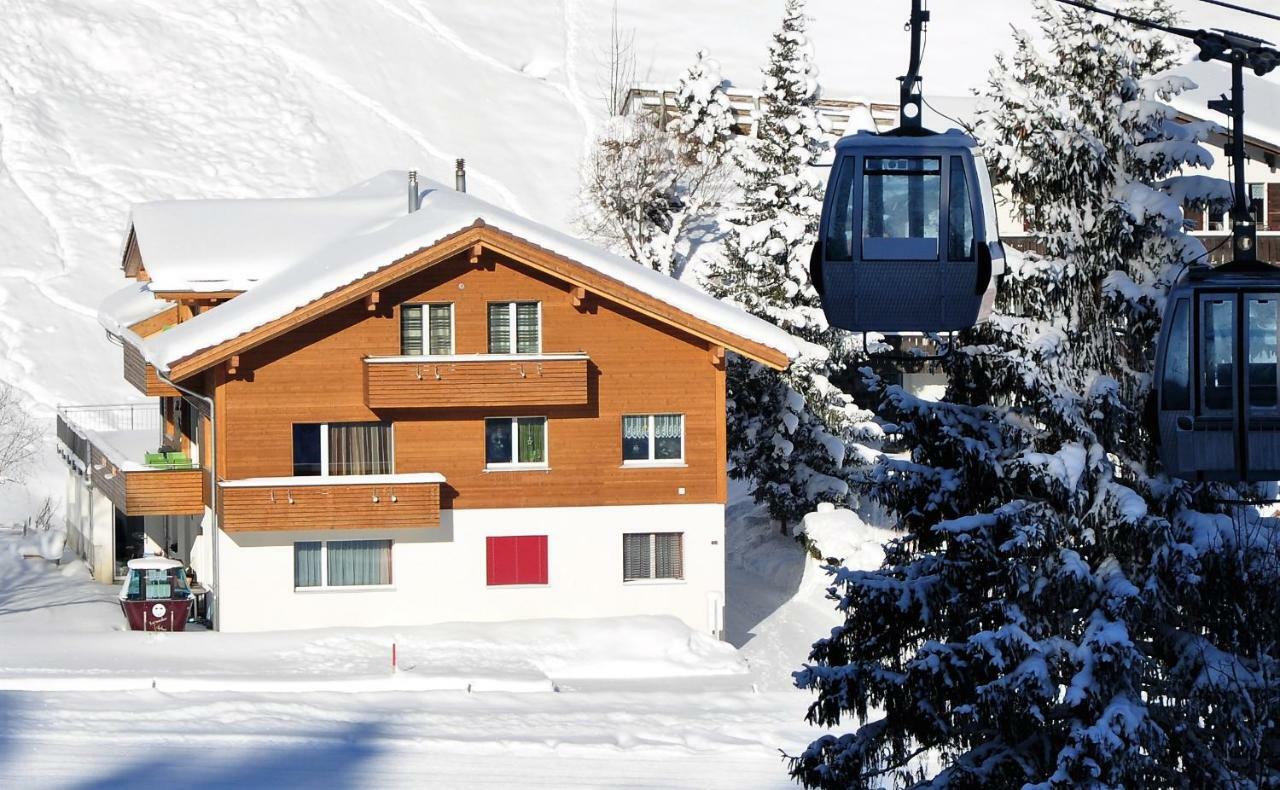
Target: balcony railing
406	501
476	380
113	446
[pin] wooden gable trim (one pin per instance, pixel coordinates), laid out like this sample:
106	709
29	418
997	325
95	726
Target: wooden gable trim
196	296
506	244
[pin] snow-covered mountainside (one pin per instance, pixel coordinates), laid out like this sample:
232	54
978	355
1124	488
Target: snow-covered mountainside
104	103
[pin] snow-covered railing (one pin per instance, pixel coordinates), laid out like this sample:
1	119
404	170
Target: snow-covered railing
842	115
114	416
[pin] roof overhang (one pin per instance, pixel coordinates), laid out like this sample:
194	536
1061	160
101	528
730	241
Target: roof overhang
477	237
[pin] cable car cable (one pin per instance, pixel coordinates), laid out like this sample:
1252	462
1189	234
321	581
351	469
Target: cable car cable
1243	9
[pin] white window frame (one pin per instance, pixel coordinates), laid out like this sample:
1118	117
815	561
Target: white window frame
653	561
515	466
426	327
324	444
324	568
653	461
511	326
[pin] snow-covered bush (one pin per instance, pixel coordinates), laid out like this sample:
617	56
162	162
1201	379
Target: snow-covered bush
1058	613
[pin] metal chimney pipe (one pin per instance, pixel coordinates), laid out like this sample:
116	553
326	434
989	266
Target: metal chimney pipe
460	176
413	191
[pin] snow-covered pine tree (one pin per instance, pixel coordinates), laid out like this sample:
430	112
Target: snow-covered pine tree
790	434
1058	614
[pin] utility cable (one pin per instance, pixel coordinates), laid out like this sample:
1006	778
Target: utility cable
1243	9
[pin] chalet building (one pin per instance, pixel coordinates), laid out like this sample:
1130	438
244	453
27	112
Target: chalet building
367	413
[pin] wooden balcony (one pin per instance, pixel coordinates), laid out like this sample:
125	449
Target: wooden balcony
107	444
141	374
476	380
342	502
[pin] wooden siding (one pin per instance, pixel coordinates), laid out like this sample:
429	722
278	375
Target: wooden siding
336	506
142	375
639	365
476	383
151	492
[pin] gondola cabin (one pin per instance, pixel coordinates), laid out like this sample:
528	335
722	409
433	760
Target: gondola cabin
1218	395
155	595
908	240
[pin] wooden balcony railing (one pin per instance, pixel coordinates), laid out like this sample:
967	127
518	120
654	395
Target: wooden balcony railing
107	444
341	502
141	374
476	380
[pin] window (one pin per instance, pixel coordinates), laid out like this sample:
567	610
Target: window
652	555
351	448
1176	388
652	438
959	214
515	441
839	241
1262	352
901	201
341	563
519	559
439	329
1219	337
1257	195
515	327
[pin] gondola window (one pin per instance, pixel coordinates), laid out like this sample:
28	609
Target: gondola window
1219	335
1262	352
1177	364
902	198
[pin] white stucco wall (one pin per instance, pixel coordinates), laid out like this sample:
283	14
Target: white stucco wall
439	574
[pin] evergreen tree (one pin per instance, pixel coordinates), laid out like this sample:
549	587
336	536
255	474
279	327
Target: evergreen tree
791	435
1059	614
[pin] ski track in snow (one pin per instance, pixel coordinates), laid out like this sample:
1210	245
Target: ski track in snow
319	72
573	89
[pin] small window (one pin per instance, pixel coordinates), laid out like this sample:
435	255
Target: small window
959	214
1262	352
344	448
652	555
515	327
901	200
1219	355
652	438
342	563
1176	387
839	239
434	335
518	559
515	441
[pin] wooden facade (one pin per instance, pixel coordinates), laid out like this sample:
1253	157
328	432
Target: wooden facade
337	505
142	375
150	492
452	382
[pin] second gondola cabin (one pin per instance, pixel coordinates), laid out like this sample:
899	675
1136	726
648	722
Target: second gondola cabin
1217	389
908	241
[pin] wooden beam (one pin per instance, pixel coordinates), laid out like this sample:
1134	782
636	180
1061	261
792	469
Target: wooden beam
476	249
195	296
717	356
233	364
577	295
371	301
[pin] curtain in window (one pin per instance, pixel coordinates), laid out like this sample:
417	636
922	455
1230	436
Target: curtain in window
527	340
500	328
668	555
440	329
635	437
635	556
360	448
411	330
533	435
353	562
306	564
667	429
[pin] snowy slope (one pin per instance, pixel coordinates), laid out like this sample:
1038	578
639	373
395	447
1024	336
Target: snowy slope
104	103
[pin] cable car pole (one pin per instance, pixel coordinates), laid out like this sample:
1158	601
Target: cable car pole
910	101
1244	228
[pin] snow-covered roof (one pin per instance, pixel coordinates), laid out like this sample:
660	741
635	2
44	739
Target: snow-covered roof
375	245
129	305
218	245
1261	98
153	564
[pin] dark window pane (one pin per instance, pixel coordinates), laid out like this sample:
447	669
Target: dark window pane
1219	357
500	328
668	439
839	241
497	441
1176	394
306	449
960	214
901	201
635	438
411	330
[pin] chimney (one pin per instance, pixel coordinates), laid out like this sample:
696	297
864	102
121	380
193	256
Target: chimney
413	191
460	176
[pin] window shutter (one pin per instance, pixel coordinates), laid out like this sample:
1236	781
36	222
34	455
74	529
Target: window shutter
440	329
1273	207
669	559
520	559
527	340
411	330
500	328
635	556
